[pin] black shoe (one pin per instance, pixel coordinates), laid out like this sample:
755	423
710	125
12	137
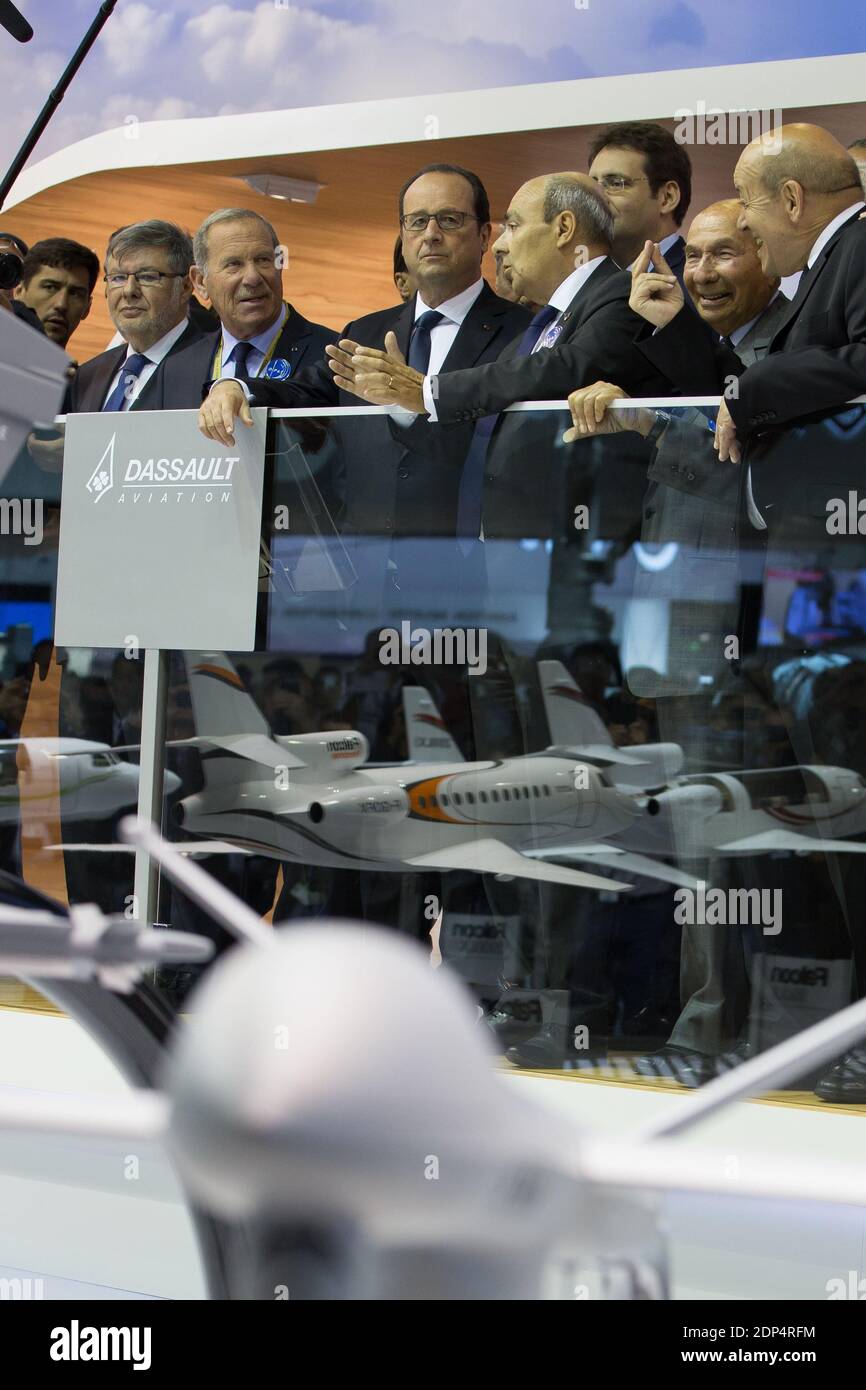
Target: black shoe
552	1048
679	1064
845	1083
508	1030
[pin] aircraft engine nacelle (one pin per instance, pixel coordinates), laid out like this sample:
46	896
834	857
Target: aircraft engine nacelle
372	805
685	806
328	753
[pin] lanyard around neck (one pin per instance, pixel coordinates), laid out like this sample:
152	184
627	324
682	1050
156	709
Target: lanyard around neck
216	373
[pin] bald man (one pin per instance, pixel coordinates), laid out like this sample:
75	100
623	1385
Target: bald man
691	499
801	199
555	251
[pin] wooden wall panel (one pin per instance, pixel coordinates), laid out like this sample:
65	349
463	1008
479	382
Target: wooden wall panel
340	247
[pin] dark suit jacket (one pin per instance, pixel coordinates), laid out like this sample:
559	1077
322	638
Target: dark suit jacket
816	362
187	375
692	497
676	259
396	479
90	387
817	357
532	483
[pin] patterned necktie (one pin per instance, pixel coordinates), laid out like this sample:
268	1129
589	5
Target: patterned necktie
419	346
129	374
472	477
239	355
534	330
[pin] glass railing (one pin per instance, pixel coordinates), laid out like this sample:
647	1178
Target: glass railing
601	755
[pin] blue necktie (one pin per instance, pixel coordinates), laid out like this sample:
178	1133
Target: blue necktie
419	345
472	477
239	355
129	374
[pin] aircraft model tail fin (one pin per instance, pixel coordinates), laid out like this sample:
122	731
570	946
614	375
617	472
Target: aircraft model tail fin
427	734
574	724
220	703
570	717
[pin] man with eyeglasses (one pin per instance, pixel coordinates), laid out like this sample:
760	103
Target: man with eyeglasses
403	480
148	290
647	179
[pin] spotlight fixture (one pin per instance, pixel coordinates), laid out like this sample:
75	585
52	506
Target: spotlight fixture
289	190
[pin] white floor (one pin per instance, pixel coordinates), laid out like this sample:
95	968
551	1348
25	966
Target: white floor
732	1247
93	1221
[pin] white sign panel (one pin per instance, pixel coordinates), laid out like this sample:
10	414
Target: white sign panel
159	533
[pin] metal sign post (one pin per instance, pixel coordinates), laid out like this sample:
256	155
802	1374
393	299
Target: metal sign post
158	552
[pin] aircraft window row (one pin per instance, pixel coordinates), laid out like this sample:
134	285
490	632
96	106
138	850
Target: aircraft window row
505	795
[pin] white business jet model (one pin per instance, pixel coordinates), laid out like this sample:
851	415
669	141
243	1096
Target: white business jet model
84	779
314	798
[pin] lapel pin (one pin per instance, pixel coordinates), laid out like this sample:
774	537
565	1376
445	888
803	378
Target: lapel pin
277	369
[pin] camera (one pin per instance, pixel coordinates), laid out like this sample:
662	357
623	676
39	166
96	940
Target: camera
11	270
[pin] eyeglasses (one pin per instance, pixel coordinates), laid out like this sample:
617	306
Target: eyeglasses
148	278
448	220
615	183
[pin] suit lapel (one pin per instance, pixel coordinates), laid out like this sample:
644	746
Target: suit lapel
151	396
482	322
759	337
577	310
293	342
93	397
809	280
403	324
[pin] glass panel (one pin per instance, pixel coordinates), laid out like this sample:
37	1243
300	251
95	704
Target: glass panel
624	679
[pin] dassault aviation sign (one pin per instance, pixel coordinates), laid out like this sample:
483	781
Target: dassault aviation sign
159	533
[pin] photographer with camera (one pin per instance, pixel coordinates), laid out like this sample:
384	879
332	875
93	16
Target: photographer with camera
12	253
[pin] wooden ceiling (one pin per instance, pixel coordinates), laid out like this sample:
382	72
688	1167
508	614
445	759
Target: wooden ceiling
340	247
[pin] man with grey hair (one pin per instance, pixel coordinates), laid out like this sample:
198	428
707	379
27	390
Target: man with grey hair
555	245
148	291
238	267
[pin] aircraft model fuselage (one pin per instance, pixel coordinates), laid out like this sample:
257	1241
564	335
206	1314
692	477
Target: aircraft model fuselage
385	817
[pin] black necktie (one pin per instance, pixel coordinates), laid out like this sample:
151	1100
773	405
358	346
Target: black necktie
472	477
240	356
419	344
129	374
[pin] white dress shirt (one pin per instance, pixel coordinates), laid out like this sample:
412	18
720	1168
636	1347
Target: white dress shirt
830	230
442	337
260	344
155	353
560	299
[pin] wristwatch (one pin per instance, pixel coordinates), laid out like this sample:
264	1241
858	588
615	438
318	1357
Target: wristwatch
662	421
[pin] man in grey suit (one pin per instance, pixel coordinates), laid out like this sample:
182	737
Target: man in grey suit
692	502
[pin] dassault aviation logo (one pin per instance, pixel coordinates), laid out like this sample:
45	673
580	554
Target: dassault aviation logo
163	479
101	479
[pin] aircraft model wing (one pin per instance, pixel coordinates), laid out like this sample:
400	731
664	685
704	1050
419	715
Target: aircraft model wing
258	748
194	847
626	860
493	857
789	839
